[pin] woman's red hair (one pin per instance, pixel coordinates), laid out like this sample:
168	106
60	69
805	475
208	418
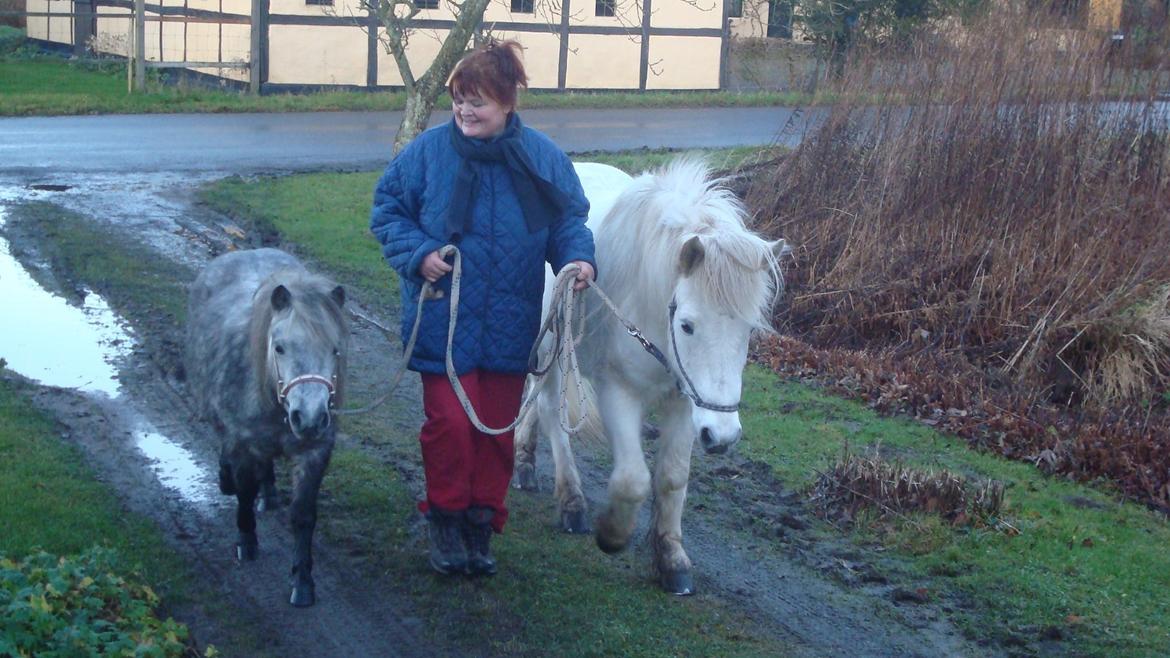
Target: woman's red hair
494	70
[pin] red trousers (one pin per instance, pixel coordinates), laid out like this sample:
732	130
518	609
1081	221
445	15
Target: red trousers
465	467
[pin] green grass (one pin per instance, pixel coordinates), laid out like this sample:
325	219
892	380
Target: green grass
54	504
51	85
554	596
635	162
62	508
325	215
1094	567
106	259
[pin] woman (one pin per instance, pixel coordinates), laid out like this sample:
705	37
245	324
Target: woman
510	200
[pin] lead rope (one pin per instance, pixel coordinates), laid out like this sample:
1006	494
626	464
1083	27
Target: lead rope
559	320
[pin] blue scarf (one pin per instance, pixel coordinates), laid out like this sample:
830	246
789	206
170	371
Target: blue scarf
541	201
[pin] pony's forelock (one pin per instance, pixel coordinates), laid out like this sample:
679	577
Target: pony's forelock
739	273
312	305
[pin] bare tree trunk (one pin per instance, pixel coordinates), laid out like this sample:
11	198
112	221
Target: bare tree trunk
416	114
424	92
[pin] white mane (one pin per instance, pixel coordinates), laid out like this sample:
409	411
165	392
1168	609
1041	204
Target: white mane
643	235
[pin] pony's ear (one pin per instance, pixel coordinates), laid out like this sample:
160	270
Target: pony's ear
780	248
338	295
691	256
281	298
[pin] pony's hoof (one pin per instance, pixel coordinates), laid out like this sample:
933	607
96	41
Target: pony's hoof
303	595
678	583
609	545
246	552
525	477
575	522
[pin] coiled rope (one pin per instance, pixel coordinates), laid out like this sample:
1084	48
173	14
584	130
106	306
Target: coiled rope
558	321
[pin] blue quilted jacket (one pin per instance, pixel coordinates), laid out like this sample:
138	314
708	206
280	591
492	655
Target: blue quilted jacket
503	264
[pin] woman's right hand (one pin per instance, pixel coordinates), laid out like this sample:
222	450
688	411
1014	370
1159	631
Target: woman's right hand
434	267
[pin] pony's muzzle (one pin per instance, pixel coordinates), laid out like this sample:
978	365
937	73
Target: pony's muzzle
308	425
715	444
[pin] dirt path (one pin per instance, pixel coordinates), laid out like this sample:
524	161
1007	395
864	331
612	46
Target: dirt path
744	530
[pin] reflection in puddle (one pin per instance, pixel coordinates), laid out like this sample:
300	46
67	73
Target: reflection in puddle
46	339
174	467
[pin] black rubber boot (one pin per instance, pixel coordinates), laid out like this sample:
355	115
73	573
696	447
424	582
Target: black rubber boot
448	554
477	534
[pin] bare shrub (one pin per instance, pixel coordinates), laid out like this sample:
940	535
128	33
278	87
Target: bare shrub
1007	198
892	488
10	18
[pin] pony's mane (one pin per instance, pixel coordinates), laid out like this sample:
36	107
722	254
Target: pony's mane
643	235
312	306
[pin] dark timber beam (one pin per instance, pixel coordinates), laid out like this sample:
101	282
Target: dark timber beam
644	62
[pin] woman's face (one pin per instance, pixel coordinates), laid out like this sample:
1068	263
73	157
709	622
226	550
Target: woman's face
479	116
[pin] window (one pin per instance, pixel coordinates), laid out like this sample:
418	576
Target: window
605	8
426	4
736	10
323	3
780	19
522	6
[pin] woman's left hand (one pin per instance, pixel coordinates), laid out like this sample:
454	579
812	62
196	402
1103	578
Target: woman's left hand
584	276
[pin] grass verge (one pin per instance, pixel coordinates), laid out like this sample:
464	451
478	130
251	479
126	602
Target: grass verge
1085	567
51	85
61	510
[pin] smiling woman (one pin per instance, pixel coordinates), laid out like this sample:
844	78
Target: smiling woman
511	201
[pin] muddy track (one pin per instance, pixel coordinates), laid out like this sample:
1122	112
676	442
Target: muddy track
745	531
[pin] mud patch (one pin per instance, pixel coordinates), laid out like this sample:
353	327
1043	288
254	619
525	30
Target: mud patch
142	439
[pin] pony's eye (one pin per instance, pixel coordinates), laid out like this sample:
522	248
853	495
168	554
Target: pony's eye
688	328
279	349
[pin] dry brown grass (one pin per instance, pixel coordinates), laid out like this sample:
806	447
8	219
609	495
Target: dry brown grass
988	250
1014	212
891	488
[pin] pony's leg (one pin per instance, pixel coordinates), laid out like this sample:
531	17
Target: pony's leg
629	483
308	471
525	439
269	499
227	480
245	473
672	470
574	511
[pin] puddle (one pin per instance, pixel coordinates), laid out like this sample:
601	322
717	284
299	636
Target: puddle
174	467
46	339
50	187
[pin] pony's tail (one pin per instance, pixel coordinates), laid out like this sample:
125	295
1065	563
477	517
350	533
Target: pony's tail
532	423
592	430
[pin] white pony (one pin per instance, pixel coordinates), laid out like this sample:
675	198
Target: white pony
676	258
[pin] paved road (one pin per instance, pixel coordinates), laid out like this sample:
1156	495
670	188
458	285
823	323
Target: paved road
42	147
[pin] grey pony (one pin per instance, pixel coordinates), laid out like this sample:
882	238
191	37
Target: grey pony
266	346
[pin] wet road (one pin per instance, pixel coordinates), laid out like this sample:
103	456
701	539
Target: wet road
241	143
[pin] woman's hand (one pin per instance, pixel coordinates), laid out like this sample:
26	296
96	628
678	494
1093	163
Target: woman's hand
434	267
584	276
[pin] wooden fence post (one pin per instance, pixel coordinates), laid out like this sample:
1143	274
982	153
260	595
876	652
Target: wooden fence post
130	54
140	45
254	63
